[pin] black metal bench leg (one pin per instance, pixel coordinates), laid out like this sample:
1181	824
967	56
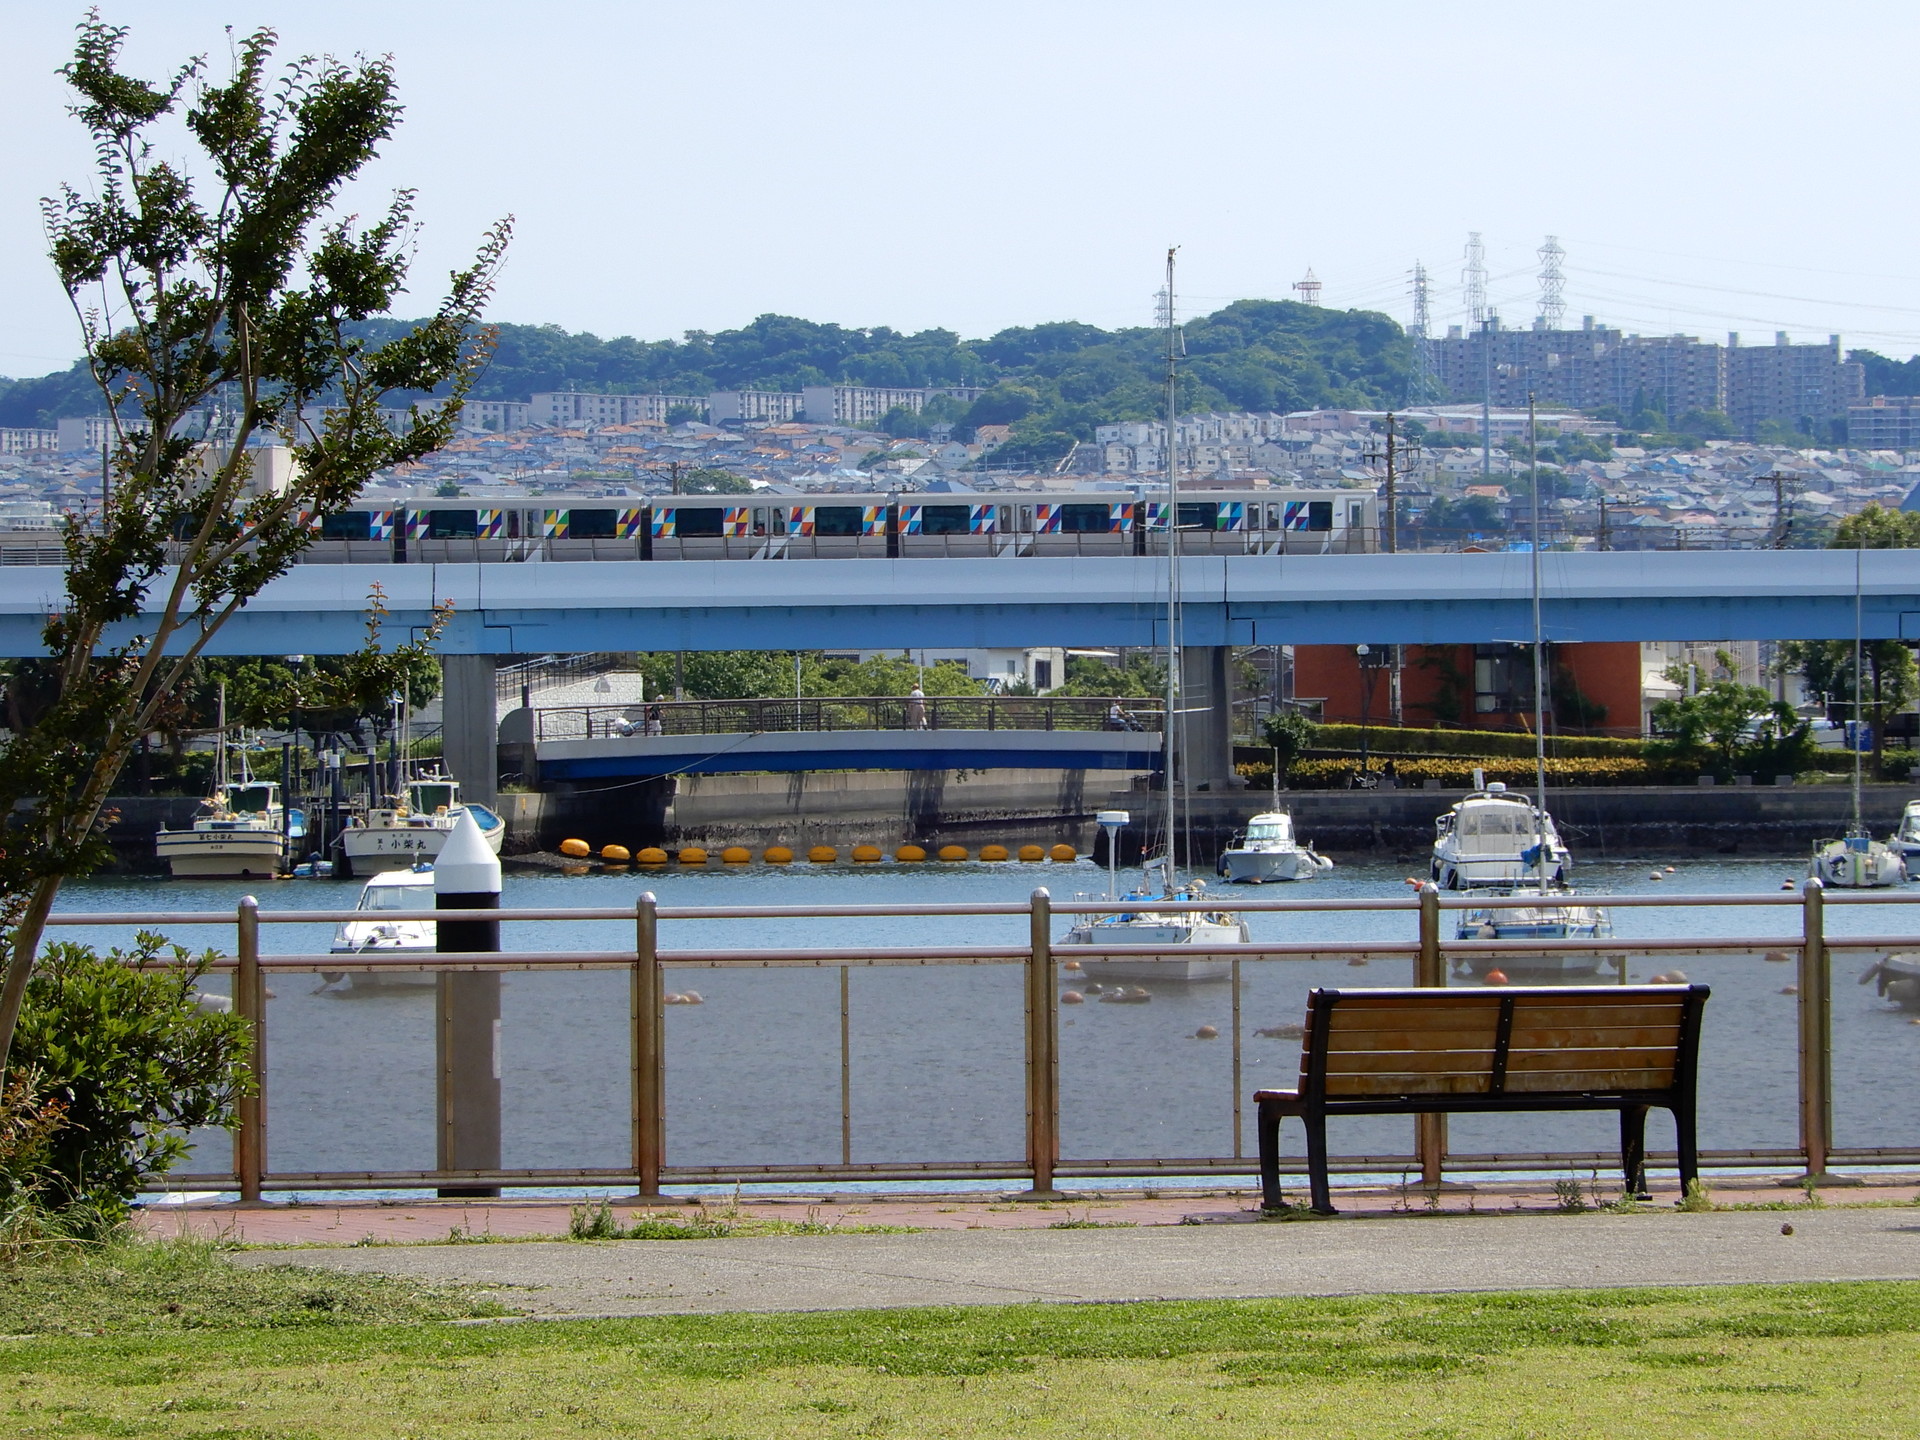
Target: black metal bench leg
1268	1127
1633	1150
1317	1163
1688	1146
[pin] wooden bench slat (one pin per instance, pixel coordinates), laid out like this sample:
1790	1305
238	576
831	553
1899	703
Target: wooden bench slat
1581	1057
1430	1062
1579	1080
1576	1037
1355	1085
1535	1015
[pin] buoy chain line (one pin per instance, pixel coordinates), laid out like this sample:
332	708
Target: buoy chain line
617	857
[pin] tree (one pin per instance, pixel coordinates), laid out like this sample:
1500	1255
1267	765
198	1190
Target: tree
1287	733
711	481
1876	529
243	305
1889	680
1139	677
1727	723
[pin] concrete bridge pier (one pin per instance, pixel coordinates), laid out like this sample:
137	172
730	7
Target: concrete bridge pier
468	733
1206	698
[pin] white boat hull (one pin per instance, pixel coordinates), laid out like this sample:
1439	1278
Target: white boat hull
240	854
370	849
1259	867
1871	867
1169	966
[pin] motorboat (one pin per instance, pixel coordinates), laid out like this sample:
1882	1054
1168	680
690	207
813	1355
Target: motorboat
1857	861
1267	850
1905	840
240	831
401	834
1535	912
1497	837
388	893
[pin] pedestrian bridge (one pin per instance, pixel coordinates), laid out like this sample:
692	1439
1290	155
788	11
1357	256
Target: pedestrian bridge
1094	600
597	743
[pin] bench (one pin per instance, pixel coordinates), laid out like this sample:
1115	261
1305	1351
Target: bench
1548	1047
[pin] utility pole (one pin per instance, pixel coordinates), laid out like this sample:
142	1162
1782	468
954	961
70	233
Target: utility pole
1603	539
1486	401
1782	523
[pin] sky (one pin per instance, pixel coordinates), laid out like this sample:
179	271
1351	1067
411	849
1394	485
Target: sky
1706	166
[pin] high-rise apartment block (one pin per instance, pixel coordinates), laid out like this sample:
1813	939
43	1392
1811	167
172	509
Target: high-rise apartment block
1886	422
1800	385
571	407
864	405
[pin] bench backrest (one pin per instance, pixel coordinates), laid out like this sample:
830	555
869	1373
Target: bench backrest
1507	1040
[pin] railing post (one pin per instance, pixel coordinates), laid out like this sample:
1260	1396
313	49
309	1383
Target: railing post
249	999
1816	1032
1043	1052
649	1050
1430	971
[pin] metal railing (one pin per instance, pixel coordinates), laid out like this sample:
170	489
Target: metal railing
845	712
647	962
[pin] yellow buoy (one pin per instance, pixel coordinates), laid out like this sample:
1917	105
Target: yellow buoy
736	855
909	854
618	853
823	855
1063	853
575	849
777	855
953	852
652	855
993	852
1031	853
867	854
693	855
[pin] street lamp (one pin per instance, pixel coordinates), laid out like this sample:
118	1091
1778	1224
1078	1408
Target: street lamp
1369	675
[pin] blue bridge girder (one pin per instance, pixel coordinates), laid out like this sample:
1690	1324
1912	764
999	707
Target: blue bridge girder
518	609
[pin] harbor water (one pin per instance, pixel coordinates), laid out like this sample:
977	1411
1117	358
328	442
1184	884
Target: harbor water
935	1053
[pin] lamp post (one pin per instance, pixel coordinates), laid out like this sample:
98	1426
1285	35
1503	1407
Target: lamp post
1369	675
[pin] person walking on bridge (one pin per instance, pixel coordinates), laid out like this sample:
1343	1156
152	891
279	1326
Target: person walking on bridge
917	709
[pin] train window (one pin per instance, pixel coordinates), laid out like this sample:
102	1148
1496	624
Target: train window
451	525
1084	519
1273	517
695	520
1026	519
838	520
513	524
591	524
353	525
1005	520
1356	514
945	519
760	520
1198	515
1319	515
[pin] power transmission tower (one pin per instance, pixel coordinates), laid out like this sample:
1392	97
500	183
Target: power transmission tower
1162	310
1553	284
1473	280
1308	289
1423	386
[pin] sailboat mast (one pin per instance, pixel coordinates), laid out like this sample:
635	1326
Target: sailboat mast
1169	739
1539	661
220	748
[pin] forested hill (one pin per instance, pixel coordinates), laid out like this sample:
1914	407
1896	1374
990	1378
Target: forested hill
1054	379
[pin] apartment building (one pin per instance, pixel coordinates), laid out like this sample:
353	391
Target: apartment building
1678	373
575	408
26	441
1886	422
1801	385
764	407
862	406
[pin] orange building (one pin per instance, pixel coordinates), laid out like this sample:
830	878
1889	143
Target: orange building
1594	688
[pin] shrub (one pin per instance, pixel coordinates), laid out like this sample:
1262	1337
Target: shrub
120	1045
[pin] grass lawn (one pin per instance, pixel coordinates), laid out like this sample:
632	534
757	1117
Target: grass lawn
167	1340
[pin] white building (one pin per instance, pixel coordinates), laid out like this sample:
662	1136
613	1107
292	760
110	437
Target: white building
766	407
21	441
570	408
861	406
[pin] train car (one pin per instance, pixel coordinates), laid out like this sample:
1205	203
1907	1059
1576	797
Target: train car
416	529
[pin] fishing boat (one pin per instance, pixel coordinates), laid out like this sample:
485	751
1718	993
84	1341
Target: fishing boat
389	893
407	830
1497	836
1535	912
241	831
1267	850
1161	946
1857	861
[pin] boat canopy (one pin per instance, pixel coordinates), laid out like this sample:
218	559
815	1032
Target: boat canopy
1270	827
255	798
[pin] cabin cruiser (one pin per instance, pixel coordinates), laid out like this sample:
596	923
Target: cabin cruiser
1266	850
1171	946
400	835
1905	840
1495	836
240	831
392	891
1535	912
1857	861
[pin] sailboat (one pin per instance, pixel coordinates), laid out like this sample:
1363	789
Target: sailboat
1164	946
1267	850
1857	861
1536	904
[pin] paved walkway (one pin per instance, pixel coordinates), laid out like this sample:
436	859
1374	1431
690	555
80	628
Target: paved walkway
1497	1251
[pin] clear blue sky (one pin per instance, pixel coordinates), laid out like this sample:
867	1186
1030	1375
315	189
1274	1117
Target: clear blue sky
1708	166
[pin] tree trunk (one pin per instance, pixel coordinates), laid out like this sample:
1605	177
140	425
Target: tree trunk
21	956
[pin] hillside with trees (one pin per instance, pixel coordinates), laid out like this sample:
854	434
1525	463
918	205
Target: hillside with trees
1053	383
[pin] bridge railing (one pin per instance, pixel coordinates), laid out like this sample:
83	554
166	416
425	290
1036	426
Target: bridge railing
845	712
988	1059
